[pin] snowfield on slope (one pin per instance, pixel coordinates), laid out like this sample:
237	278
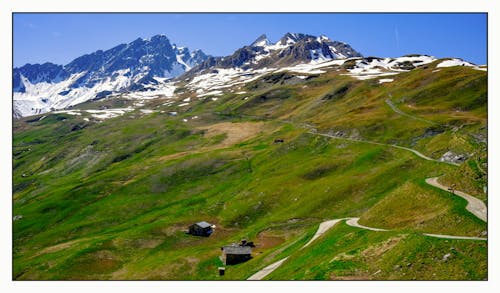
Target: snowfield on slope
459	62
44	97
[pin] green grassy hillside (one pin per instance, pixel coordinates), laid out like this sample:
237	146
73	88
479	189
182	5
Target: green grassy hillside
112	199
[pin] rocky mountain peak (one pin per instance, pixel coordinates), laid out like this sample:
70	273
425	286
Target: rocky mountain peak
291	49
131	66
261	41
292	38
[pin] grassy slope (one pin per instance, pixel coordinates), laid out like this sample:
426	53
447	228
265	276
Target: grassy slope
111	200
356	254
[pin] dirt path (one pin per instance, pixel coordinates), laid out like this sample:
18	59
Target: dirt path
353	222
455	237
397	110
474	205
385	144
267	270
323	227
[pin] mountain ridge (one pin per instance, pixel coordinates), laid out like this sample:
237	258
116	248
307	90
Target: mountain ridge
291	49
153	66
128	66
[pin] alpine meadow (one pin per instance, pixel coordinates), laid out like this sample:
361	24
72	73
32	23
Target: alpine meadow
299	159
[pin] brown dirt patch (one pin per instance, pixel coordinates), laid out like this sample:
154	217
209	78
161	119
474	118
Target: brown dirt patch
235	133
265	240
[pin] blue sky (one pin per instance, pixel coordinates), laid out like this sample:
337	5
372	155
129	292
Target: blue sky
59	38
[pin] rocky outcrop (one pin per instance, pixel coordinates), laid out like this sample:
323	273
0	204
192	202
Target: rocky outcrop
291	49
451	157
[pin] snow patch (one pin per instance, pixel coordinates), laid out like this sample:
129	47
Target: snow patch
212	93
179	59
377	67
108	113
163	90
69	112
302	68
43	97
459	62
453	62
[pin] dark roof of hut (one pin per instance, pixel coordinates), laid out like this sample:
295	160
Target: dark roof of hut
236	249
203	224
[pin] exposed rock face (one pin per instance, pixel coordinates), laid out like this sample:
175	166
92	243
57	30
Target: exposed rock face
148	57
291	49
453	158
126	67
35	73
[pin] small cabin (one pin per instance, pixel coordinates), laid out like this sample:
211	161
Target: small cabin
201	229
235	254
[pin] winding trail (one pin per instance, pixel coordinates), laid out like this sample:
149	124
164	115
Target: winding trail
353	222
385	144
474	205
455	237
267	270
400	112
323	227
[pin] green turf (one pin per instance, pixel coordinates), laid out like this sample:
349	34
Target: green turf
111	200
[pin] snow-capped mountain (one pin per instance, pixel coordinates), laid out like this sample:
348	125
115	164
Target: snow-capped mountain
155	68
291	49
134	66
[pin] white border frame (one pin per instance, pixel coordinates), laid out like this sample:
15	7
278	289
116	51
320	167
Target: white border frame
10	6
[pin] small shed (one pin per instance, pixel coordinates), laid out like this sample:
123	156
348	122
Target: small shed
234	254
201	229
